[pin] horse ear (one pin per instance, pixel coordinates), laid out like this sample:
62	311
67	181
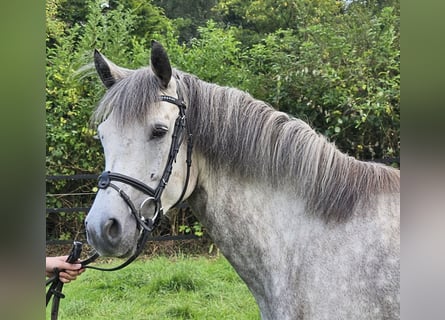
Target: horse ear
103	69
160	64
108	72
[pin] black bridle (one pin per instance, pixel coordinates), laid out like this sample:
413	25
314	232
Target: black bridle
154	195
145	224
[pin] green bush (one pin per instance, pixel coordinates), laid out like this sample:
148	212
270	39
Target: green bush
342	78
71	96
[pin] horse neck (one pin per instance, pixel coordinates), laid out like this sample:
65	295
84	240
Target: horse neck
247	140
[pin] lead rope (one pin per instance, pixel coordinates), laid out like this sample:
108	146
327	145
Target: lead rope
56	285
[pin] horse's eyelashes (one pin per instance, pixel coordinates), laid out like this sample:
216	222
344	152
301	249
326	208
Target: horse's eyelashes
159	132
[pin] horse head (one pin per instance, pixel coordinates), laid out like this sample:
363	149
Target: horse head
147	154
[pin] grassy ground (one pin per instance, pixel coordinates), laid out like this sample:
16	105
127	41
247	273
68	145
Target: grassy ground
160	288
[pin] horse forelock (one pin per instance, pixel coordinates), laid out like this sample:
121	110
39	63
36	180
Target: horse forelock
130	98
247	137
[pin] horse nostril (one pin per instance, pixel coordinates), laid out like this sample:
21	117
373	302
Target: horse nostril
112	229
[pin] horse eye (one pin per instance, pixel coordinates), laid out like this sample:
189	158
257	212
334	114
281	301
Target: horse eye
159	132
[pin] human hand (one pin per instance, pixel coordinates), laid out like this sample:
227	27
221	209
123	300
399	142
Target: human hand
70	270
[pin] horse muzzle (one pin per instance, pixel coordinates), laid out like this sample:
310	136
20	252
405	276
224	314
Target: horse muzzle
111	234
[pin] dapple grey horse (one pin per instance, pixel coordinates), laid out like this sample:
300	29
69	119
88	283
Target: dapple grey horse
314	233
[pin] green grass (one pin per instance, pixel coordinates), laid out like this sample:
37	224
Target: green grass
160	288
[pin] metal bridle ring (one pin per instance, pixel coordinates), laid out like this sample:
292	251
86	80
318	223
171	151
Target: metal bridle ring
158	208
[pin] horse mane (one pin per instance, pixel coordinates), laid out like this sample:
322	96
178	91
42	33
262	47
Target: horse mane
251	139
248	137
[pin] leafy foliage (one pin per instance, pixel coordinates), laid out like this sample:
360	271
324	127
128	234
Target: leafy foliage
215	56
71	94
343	78
187	15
